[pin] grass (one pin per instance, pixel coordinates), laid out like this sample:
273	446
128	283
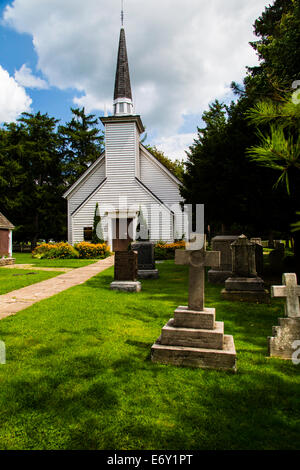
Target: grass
13	279
26	258
79	375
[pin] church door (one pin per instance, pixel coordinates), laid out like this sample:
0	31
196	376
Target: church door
4	242
121	238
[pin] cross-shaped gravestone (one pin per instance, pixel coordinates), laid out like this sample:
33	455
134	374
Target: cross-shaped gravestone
291	292
197	260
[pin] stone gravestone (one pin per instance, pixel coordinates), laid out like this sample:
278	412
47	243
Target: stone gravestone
146	260
218	275
259	255
125	272
276	257
244	284
288	331
193	338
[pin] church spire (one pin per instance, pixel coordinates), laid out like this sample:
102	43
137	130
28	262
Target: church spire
122	95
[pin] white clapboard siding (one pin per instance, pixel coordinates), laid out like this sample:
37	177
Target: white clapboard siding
121	150
135	196
83	191
164	187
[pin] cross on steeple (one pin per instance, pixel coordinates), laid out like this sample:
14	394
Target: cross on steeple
291	292
122	14
197	260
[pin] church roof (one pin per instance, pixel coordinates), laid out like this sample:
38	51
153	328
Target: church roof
122	81
5	223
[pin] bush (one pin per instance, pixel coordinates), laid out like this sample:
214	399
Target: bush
164	250
60	250
91	251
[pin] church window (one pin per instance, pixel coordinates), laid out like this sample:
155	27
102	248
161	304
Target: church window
87	234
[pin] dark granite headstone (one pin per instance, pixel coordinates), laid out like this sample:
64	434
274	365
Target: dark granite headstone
126	266
146	260
145	254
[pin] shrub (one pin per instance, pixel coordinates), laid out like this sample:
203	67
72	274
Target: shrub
60	250
164	250
91	251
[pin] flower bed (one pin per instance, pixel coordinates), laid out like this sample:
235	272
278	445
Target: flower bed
90	251
64	250
167	250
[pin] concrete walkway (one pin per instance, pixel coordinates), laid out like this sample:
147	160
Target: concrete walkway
17	300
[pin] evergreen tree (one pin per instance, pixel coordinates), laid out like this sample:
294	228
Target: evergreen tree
82	143
97	236
34	182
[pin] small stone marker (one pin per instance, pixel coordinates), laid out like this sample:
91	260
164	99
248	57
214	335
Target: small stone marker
146	260
288	331
125	272
193	338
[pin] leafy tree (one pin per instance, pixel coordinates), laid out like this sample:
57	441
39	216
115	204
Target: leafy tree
33	178
278	48
82	143
174	166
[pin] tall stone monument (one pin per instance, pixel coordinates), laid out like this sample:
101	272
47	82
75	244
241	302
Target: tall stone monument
222	243
125	272
244	284
287	335
146	260
193	338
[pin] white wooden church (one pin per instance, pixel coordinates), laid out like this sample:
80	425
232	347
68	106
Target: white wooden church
126	181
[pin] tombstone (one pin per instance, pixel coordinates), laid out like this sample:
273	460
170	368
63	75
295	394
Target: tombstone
244	284
218	275
259	255
287	334
125	272
146	260
276	257
193	338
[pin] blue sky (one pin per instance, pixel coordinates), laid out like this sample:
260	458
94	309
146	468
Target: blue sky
56	54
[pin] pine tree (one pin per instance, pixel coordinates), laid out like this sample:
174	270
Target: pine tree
81	143
97	236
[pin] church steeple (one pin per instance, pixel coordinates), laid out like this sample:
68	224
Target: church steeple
122	96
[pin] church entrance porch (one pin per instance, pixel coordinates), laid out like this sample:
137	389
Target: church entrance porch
122	226
121	234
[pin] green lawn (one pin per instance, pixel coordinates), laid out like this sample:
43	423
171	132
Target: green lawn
12	279
26	258
79	375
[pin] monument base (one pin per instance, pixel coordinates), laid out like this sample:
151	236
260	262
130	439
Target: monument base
194	339
281	343
148	274
218	277
204	358
246	296
7	261
126	286
244	284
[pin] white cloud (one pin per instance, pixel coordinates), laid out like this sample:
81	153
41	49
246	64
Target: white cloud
174	145
25	77
181	55
13	98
